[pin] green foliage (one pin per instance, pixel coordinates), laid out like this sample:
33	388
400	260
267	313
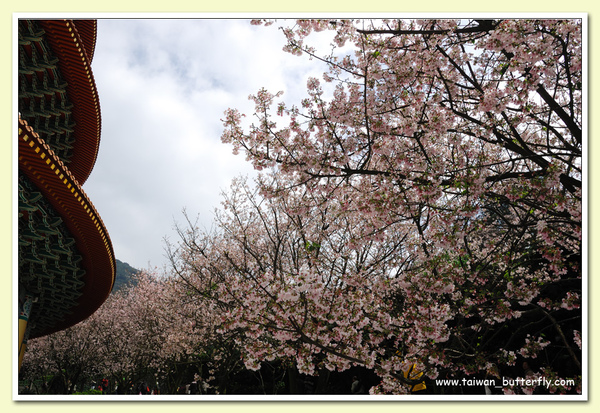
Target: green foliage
312	246
92	392
125	276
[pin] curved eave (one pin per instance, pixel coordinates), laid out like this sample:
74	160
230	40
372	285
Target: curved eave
87	30
74	64
61	189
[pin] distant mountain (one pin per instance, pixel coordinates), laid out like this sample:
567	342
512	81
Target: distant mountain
124	277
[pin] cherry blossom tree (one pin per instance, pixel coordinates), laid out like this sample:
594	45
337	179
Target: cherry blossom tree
294	282
154	333
461	141
419	212
142	334
63	362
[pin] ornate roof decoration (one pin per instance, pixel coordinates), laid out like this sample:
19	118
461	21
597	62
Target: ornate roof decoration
66	259
57	91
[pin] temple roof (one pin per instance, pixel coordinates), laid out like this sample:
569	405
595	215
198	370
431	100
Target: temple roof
66	259
57	91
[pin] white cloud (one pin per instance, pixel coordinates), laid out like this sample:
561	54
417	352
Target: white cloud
163	87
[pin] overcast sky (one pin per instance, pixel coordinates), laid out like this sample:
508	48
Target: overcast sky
163	87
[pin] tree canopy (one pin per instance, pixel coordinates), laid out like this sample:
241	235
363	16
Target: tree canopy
454	149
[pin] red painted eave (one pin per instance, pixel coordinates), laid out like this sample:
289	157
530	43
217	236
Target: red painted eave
62	190
72	47
87	30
